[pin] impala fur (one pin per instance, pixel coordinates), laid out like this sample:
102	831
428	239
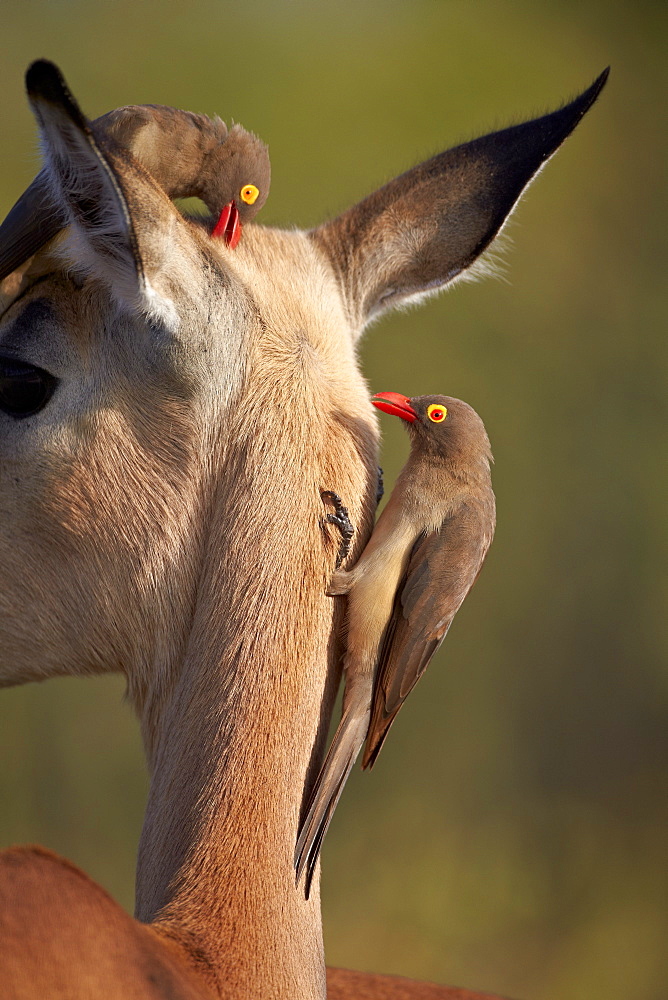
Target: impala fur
161	516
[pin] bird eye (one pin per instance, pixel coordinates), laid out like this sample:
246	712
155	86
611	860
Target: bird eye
24	389
249	193
436	413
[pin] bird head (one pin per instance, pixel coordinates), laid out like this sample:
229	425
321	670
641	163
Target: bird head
243	175
248	171
441	424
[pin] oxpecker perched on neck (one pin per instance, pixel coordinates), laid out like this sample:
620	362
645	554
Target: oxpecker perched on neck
423	557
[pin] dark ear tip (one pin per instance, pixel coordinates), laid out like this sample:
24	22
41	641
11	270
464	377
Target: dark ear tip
45	82
564	120
44	79
597	86
583	103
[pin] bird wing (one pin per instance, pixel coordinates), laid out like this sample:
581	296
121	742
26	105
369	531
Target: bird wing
442	568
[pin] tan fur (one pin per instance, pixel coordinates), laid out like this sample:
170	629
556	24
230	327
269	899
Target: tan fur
69	939
162	516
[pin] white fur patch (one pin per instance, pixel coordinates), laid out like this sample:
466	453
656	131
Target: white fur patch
161	309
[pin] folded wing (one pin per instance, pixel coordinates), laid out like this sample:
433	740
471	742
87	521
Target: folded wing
442	568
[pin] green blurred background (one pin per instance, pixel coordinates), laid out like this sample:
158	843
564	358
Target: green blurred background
513	835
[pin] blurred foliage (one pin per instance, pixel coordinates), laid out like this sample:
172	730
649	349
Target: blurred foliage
513	834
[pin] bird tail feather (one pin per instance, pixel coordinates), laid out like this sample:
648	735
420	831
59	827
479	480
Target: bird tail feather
338	764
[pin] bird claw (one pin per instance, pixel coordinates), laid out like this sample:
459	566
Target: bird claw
342	521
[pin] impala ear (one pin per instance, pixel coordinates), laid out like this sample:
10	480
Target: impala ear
423	229
121	222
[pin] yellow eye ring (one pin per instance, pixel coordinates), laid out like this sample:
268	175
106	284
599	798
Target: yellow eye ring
249	193
437	413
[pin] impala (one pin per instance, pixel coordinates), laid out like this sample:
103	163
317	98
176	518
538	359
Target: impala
170	411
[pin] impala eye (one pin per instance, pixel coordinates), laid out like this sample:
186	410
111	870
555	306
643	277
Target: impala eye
249	193
437	413
24	389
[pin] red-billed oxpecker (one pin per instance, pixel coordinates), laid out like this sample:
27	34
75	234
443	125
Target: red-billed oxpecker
422	559
189	155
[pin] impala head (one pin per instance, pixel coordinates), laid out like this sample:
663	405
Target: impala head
139	360
170	410
120	348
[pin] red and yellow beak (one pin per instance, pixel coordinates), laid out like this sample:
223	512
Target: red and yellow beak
228	225
397	405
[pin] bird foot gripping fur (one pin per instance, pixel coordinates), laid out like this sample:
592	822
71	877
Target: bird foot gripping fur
380	488
342	521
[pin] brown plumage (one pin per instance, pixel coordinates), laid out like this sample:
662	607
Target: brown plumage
423	557
189	155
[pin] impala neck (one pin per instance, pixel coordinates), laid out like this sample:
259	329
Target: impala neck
239	735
